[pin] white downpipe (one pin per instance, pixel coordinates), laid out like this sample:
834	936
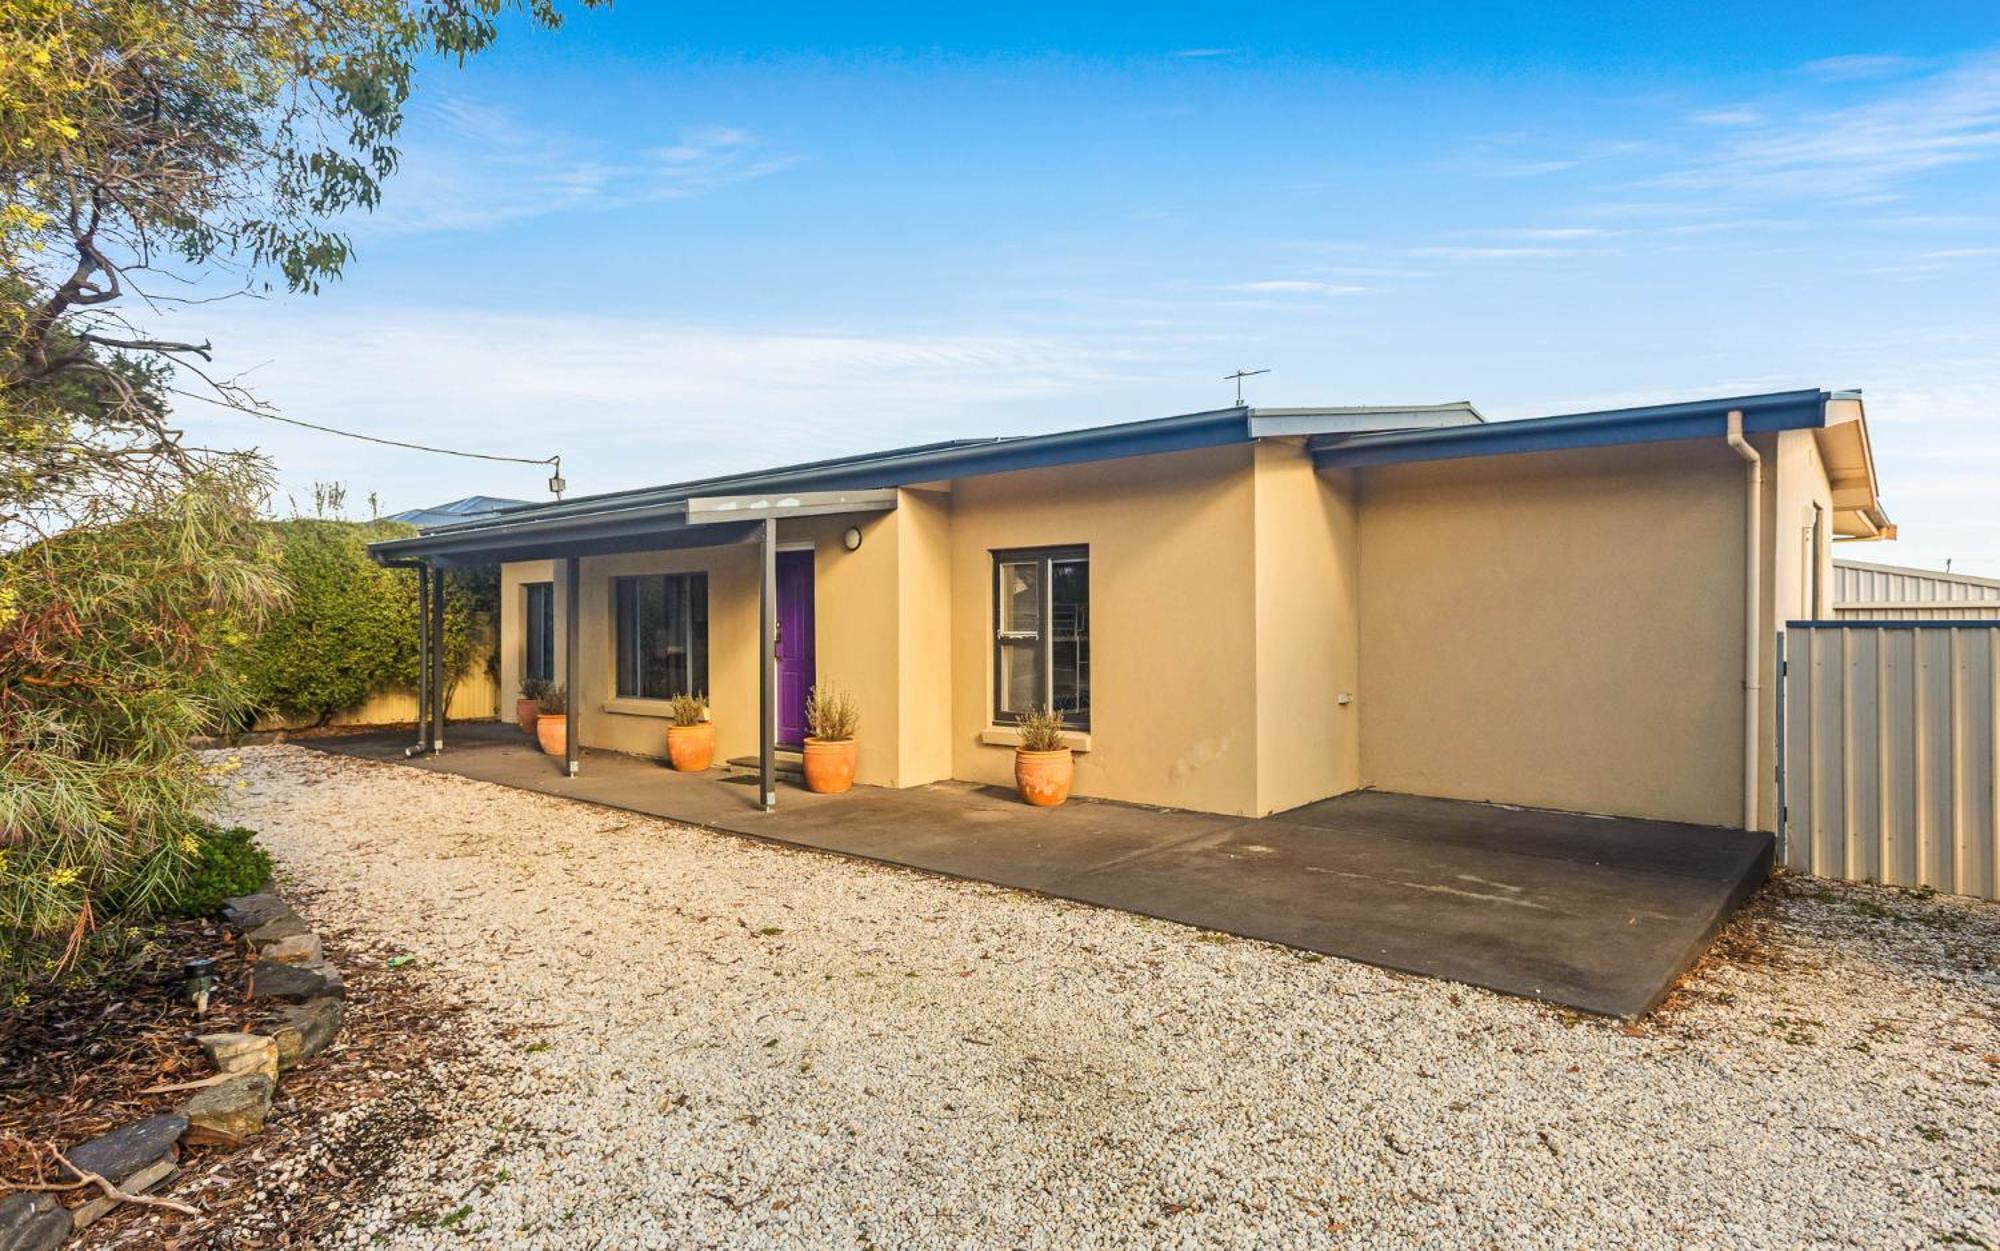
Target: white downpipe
1753	629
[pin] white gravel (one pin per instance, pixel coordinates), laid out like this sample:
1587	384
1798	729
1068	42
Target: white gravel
694	1040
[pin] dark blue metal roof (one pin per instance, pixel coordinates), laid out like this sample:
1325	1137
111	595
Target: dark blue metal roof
1698	419
928	462
467	509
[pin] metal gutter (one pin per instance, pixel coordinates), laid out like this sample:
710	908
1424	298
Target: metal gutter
1785	410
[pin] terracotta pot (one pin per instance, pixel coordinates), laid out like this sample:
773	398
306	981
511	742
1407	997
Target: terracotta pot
690	748
829	766
552	732
525	712
1043	777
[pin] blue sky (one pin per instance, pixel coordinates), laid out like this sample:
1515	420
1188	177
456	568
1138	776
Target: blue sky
668	241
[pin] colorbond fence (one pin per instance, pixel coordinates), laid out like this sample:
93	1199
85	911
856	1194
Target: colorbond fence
474	697
1890	756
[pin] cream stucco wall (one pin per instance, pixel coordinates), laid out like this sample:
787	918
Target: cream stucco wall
1562	629
880	614
514	577
1307	640
1559	629
1173	618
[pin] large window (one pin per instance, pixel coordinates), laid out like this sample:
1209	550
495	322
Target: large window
1041	633
662	642
540	627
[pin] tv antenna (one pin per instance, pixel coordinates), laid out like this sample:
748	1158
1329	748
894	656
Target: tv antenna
1239	376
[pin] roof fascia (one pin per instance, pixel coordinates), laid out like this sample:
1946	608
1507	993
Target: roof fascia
1790	410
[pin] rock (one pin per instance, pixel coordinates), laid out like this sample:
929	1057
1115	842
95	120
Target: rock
291	949
303	1032
276	929
128	1150
241	1053
296	982
137	1184
229	1113
32	1222
247	912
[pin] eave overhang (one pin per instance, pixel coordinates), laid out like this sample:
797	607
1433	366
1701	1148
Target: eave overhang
699	521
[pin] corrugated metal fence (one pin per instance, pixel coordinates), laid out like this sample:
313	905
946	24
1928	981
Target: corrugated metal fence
1889	750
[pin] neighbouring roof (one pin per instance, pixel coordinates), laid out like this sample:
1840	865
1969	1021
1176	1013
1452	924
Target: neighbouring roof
467	509
1927	575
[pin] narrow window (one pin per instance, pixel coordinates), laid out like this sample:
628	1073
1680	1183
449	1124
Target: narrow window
662	635
1041	633
539	627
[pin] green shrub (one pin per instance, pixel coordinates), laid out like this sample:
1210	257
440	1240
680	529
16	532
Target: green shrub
227	863
350	629
553	701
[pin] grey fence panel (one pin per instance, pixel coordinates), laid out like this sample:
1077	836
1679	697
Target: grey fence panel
1891	753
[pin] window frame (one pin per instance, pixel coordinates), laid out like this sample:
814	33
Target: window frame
697	682
1046	558
533	631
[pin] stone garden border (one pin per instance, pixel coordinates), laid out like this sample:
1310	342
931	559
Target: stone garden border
289	972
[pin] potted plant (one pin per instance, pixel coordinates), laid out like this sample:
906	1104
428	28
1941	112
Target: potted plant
552	720
832	716
1043	765
690	735
527	707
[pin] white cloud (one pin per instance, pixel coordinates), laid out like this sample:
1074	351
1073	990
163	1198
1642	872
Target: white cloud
471	165
1858	66
1297	286
629	402
1456	253
1557	232
1729	117
1946	118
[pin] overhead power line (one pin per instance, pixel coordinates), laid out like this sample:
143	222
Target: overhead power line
556	483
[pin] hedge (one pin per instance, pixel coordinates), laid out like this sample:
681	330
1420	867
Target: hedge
350	629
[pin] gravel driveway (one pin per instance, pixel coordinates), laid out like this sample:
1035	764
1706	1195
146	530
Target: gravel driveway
686	1039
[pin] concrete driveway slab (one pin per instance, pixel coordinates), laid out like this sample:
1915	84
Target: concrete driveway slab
1595	913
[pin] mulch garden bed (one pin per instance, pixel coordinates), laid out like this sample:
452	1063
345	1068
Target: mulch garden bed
78	1063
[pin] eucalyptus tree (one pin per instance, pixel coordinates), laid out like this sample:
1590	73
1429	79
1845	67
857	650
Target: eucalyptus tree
155	154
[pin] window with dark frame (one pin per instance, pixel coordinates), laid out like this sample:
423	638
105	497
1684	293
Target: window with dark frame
662	635
1041	633
540	629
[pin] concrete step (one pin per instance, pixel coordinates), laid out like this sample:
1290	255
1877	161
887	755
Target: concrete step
786	766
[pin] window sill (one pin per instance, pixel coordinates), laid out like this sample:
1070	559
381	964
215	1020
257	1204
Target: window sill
661	708
1008	736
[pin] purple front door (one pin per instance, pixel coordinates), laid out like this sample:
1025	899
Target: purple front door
795	643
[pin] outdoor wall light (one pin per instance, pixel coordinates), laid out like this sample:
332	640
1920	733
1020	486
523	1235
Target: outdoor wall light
851	540
198	982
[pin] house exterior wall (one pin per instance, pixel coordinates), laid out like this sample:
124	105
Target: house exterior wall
1560	629
514	577
1307	636
1173	621
924	672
